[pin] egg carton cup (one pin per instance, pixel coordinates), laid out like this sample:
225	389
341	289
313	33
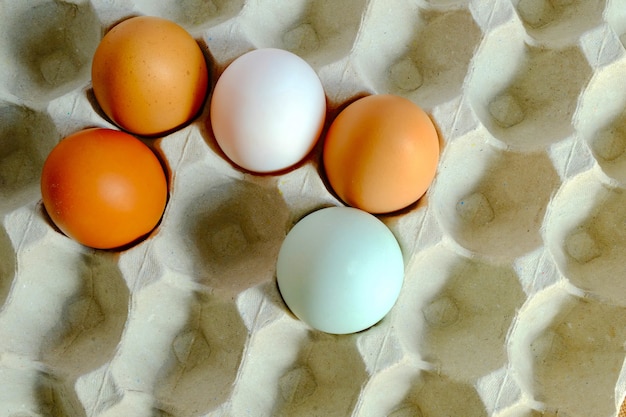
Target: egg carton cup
514	300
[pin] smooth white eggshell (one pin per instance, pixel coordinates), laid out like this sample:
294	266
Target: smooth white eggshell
267	110
340	270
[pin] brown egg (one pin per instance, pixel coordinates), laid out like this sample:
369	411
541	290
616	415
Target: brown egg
381	153
149	75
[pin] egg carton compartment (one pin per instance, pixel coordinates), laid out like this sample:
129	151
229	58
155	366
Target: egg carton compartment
93	318
204	358
313	386
169	352
428	60
191	14
433	394
488	206
601	121
47	47
559	19
587	242
512	304
568	351
72	324
458	314
526	94
322	32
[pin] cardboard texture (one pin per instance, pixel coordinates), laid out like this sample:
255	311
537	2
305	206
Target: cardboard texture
514	300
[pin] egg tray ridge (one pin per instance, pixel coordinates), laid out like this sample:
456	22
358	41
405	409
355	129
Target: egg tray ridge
514	302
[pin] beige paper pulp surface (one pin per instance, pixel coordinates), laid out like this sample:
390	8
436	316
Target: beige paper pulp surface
514	300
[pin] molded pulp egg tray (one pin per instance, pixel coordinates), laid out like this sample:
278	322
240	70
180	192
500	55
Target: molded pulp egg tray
514	299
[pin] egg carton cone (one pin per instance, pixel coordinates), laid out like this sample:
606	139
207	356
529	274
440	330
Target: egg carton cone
514	297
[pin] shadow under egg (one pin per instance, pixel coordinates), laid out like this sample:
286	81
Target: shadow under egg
235	232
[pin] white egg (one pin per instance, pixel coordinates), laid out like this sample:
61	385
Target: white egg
340	270
267	110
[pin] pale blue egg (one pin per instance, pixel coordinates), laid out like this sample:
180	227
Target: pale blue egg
340	270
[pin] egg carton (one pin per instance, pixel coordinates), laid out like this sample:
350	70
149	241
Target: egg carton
514	300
